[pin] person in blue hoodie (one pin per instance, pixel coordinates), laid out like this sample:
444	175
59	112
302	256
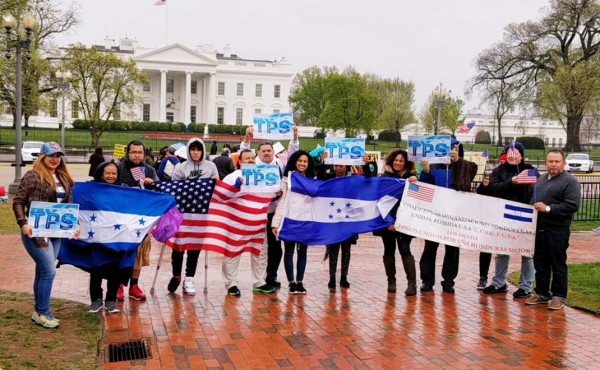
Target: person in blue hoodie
457	175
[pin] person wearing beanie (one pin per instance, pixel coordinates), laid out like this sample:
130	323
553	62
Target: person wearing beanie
457	175
504	183
502	159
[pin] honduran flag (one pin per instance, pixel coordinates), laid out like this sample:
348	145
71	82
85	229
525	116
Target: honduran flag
328	212
114	220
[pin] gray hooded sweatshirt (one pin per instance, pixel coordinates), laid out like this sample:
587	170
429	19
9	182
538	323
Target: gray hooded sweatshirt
195	170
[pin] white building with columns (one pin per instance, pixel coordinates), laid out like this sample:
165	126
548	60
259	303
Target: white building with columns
197	85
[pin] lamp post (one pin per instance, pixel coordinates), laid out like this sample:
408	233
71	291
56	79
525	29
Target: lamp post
14	41
440	103
64	85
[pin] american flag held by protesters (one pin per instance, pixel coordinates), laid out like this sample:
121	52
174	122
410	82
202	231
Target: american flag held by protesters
218	217
465	129
528	177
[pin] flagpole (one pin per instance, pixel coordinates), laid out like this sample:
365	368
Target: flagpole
166	24
162	253
205	272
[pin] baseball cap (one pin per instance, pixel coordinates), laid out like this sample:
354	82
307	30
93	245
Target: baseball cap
51	148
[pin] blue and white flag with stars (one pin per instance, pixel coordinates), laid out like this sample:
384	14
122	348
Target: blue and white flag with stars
114	221
328	212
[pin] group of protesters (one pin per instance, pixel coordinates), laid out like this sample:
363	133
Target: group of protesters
556	198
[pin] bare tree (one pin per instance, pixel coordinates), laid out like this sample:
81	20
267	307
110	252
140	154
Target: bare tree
534	52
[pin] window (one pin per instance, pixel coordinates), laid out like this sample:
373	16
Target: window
221	88
170	85
277	91
75	109
116	113
275	111
194	87
53	109
258	92
240	89
560	141
220	115
239	115
553	141
147	87
258	111
193	114
146	113
170	117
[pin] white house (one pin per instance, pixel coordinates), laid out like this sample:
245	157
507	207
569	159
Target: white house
197	85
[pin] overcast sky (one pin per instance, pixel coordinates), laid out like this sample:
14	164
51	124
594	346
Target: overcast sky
423	41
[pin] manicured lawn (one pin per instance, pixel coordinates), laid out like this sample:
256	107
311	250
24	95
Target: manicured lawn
584	286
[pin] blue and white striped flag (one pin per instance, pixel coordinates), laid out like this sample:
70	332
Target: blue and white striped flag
114	221
320	213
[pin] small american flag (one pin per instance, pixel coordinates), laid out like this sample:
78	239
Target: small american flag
283	157
420	192
138	173
512	151
528	177
218	217
161	2
464	129
597	230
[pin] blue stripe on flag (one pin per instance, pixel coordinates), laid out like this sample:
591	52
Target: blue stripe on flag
518	218
510	207
323	233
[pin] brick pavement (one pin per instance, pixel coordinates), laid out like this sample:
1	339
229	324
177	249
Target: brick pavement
361	327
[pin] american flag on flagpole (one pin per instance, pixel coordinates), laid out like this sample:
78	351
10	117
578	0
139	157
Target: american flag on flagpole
512	151
138	173
464	129
283	157
218	217
161	2
528	177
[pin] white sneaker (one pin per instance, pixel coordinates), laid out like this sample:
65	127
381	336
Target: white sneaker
188	286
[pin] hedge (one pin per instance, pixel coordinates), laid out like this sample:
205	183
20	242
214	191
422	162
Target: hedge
531	142
164	127
390	135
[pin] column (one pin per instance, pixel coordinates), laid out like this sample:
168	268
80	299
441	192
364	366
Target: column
187	98
162	101
212	92
204	98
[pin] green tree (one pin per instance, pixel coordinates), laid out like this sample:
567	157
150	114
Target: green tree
102	85
450	114
350	105
394	103
51	20
428	114
545	55
307	97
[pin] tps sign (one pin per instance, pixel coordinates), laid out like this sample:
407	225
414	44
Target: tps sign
54	220
273	126
344	151
435	148
261	178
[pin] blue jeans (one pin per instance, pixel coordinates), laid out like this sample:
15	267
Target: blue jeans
527	272
288	261
45	271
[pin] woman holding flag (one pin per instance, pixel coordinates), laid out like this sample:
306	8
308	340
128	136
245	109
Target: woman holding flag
514	180
301	162
48	181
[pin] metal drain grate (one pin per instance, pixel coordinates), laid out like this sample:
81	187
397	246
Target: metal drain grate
128	351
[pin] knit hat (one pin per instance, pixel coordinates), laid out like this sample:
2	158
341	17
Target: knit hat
518	146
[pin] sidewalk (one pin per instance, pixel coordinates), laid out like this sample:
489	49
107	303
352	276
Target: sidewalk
361	327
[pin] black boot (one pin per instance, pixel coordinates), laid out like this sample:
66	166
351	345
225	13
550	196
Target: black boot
345	264
331	284
344	282
389	262
411	275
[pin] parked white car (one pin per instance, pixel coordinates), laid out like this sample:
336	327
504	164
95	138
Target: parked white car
31	150
579	162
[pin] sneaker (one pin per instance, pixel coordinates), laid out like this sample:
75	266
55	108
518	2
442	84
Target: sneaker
300	288
482	283
264	289
174	284
556	304
35	318
426	287
537	299
522	293
234	291
293	289
47	322
96	306
344	282
111	307
188	286
274	283
121	293
493	290
136	293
